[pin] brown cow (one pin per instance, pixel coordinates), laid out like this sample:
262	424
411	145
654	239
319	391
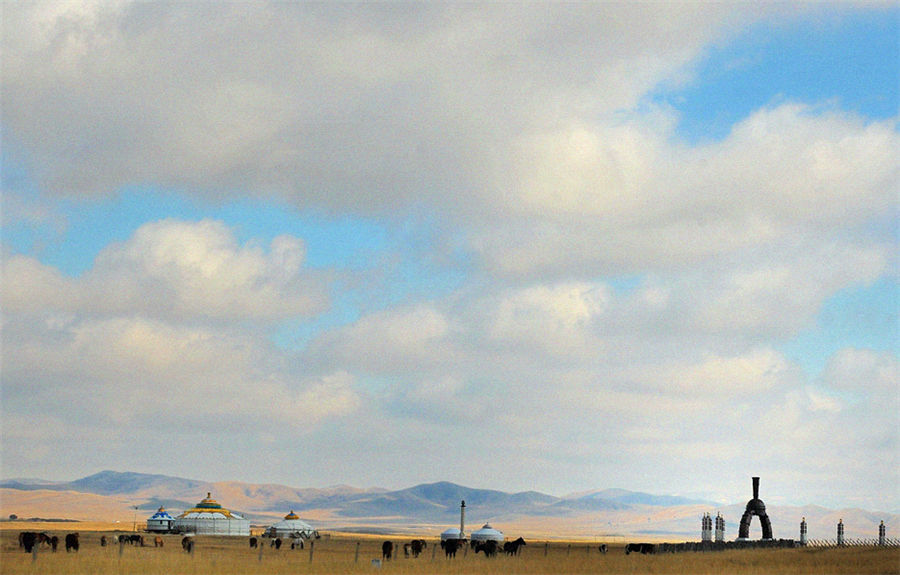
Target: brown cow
157	541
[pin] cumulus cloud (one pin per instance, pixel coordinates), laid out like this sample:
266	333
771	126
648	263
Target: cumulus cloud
177	269
525	135
168	328
392	341
202	97
557	319
598	199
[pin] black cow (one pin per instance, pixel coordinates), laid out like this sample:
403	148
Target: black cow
450	546
387	550
512	547
489	548
603	548
103	541
54	543
643	548
187	543
417	546
132	539
72	542
253	542
28	539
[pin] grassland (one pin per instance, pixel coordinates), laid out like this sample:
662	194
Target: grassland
354	554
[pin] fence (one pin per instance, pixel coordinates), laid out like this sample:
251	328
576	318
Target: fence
853	543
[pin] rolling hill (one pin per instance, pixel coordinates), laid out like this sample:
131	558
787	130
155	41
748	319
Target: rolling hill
427	508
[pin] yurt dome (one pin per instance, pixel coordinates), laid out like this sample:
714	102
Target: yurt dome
209	518
487	533
452	533
160	521
291	526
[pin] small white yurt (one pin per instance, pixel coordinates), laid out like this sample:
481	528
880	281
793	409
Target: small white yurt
487	533
452	533
291	526
160	522
210	518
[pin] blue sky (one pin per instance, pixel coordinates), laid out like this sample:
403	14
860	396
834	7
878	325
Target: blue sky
850	60
544	223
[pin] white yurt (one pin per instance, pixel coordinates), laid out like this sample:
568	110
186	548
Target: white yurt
160	522
452	533
210	518
487	533
291	526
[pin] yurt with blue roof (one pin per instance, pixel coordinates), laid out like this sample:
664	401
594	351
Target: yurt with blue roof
160	522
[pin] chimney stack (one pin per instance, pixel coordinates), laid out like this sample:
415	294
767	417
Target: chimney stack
756	488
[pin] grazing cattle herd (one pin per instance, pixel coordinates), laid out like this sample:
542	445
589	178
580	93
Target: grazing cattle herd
30	541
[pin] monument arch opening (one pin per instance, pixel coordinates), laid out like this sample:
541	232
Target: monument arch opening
755	507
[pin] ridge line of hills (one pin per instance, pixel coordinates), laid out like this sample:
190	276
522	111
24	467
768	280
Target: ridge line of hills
429	498
425	507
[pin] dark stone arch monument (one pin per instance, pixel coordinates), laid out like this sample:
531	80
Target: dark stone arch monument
755	507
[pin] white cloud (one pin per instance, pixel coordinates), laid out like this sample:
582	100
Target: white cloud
393	341
557	319
756	372
202	97
180	270
600	199
521	132
121	371
170	325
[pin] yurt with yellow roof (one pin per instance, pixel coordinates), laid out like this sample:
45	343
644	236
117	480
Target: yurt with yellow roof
209	518
291	526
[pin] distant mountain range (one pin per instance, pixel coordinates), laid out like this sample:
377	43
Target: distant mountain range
432	502
427	507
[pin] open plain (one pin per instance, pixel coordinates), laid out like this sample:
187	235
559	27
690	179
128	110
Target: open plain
351	553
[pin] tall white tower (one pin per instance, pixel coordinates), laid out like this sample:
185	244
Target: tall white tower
462	519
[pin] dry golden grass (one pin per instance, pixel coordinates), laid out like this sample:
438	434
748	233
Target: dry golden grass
338	554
